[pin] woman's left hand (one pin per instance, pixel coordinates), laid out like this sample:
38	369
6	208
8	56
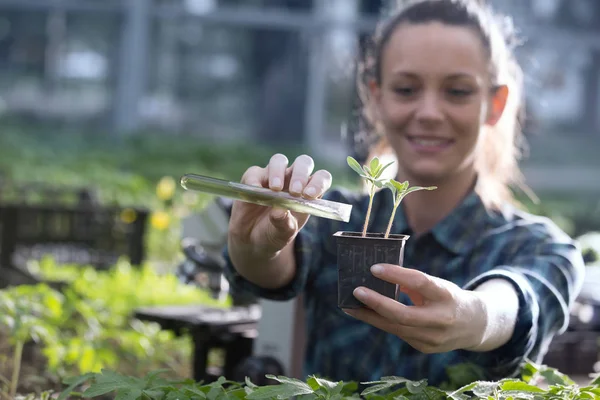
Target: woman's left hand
444	317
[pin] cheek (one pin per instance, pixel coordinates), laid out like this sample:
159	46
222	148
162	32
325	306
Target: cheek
394	113
467	119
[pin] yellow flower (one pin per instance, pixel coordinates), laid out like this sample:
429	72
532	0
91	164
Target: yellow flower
160	220
165	189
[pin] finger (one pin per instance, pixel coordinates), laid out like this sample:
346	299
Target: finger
276	170
422	339
255	176
285	227
412	280
318	184
397	312
302	167
372	318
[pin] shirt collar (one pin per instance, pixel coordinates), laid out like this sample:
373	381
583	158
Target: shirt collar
457	233
461	230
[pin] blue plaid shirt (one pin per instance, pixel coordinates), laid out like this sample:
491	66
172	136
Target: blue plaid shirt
470	246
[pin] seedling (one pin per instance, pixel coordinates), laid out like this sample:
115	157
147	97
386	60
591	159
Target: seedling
358	252
372	175
399	191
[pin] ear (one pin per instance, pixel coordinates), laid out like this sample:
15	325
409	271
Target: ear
374	92
498	102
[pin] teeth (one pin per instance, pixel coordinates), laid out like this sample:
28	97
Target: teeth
430	142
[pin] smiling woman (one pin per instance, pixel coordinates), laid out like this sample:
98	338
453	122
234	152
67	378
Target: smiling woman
459	100
482	282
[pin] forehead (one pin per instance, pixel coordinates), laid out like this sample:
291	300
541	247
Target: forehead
435	49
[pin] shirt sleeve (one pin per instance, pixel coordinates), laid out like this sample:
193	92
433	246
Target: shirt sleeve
547	276
308	250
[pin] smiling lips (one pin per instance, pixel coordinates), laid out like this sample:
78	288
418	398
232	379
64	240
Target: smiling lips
429	144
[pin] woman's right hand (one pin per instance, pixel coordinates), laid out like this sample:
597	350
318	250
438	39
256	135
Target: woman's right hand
264	231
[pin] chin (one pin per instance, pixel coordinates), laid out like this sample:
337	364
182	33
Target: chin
426	174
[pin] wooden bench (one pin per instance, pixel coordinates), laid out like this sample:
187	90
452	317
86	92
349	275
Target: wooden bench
231	329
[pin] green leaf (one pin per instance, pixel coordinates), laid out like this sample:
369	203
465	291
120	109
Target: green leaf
387	382
555	377
416	386
288	387
376	388
595	379
458	396
379	184
484	388
151	376
180	395
194	391
380	172
249	383
129	394
281	391
110	381
215	392
415	188
459	393
400	187
98	389
529	370
374	166
592	391
73	382
316	383
520	386
154	393
354	165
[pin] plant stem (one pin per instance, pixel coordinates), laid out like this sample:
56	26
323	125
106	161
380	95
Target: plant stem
389	227
14	382
371	194
4	380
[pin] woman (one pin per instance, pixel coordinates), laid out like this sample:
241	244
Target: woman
483	282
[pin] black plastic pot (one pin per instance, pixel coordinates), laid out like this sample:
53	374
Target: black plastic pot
356	255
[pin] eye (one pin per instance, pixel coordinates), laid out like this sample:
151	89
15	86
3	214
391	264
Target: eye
456	92
404	90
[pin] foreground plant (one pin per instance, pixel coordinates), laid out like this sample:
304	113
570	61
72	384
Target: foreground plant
537	382
28	315
399	191
372	176
88	325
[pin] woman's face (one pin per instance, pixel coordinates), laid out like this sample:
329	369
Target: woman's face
434	98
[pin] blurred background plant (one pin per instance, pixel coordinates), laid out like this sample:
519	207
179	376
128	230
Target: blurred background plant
125	97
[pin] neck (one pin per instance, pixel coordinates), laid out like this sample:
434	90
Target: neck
424	209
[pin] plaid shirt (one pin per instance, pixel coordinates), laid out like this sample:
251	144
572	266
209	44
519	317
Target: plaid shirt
470	246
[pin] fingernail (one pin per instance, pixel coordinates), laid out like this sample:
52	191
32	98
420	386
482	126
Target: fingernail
360	293
377	269
276	182
296	187
310	191
279	213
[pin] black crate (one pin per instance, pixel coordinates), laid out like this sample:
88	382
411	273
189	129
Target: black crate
85	235
69	224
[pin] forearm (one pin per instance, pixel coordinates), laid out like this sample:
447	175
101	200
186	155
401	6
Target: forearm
267	271
500	306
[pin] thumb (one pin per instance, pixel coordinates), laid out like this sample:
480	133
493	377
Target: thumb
284	224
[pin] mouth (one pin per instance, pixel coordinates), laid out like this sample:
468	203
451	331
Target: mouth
429	143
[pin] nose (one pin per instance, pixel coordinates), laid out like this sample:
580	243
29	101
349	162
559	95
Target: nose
429	109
